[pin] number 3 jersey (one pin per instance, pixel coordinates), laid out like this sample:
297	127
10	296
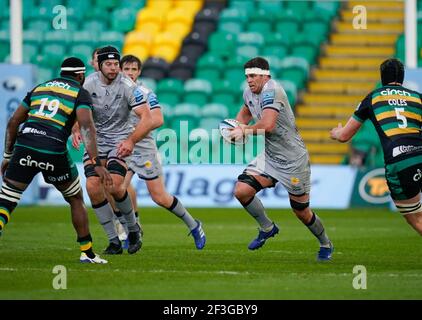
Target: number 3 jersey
52	112
396	113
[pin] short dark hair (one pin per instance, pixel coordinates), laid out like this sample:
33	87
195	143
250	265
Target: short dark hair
392	70
257	62
94	52
129	58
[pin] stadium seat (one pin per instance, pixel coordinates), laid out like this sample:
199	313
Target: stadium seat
275	50
209	67
197	91
44	74
215	110
82	51
123	19
270	6
187	112
165	52
138	38
298	7
182	68
222	43
140	51
155	68
106	4
57	37
149	83
234	27
287	29
250	38
247	51
170	91
112	38
84	37
95	26
39	25
32	37
52	55
246	5
31	53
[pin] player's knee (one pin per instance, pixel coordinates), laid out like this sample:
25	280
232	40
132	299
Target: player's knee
250	181
116	167
299	206
93	187
411	208
243	193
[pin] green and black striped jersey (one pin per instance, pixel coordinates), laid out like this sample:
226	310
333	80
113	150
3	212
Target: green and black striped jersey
396	113
52	112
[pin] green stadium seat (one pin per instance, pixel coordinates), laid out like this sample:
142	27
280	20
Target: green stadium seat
327	8
170	91
32	37
188	112
248	6
197	91
4	51
215	110
247	52
274	62
287	15
94	26
318	30
270	6
308	52
82	51
167	112
112	38
106	4
262	27
276	39
209	67
52	55
123	19
234	27
44	74
298	7
31	53
85	37
39	25
134	5
250	38
57	36
149	83
278	51
234	15
287	29
222	44
4	25
95	13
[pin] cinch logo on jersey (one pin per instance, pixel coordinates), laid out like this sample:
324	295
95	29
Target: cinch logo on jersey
27	162
405	149
389	92
58	84
34	131
152	100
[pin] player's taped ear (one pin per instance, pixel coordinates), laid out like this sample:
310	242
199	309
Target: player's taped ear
410	208
298	205
250	180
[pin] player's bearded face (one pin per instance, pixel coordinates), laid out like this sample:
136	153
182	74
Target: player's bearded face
255	82
110	69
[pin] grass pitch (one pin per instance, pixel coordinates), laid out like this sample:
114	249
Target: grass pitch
169	267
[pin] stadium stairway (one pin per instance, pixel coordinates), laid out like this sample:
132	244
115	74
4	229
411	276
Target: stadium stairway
347	71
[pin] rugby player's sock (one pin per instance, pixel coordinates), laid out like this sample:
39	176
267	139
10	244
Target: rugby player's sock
9	198
257	211
104	213
317	229
122	220
85	244
125	207
179	210
137	216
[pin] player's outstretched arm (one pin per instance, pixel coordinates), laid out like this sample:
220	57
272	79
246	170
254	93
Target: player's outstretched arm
20	116
88	134
344	134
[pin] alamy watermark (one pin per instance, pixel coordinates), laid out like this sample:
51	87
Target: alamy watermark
359	281
60	281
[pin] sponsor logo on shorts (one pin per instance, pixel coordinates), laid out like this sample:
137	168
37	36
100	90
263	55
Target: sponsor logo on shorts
148	164
28	162
405	149
294	180
418	175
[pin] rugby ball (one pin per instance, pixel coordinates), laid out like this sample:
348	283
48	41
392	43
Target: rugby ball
225	127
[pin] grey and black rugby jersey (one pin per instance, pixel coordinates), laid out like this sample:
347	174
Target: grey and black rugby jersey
148	143
283	144
113	104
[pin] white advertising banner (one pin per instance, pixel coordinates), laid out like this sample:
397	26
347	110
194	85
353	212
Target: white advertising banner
213	185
